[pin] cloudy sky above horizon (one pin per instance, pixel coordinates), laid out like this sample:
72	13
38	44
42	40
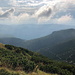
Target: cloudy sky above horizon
15	12
30	19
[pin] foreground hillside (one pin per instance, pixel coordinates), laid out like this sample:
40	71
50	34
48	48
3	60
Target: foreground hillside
20	59
5	71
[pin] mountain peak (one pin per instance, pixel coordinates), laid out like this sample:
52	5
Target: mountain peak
66	30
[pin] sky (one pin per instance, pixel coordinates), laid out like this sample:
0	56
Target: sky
29	19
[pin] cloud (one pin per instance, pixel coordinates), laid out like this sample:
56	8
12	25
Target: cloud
44	11
33	2
63	19
52	8
22	3
23	17
1	12
7	13
9	16
40	10
13	3
4	3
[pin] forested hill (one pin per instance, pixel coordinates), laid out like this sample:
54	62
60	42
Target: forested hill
50	40
17	58
12	41
64	51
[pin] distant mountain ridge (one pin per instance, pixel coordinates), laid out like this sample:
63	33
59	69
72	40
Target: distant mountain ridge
55	38
53	46
12	41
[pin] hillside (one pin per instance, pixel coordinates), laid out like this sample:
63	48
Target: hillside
64	51
23	60
58	45
12	41
53	39
5	71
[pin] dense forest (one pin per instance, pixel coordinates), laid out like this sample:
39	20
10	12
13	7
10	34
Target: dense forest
17	58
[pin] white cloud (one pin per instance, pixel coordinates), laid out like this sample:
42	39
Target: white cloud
21	18
64	19
25	2
51	8
1	12
13	3
44	13
43	10
9	16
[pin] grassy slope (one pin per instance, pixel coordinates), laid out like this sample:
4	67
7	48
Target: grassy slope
2	46
20	72
22	60
39	72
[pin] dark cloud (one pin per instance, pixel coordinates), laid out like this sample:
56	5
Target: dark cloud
45	13
7	13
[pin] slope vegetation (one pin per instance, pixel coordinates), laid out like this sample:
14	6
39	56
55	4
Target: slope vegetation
5	71
23	60
64	51
51	40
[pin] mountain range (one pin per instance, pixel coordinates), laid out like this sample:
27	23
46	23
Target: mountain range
59	45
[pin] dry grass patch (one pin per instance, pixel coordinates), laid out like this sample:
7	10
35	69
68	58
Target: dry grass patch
40	73
2	46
